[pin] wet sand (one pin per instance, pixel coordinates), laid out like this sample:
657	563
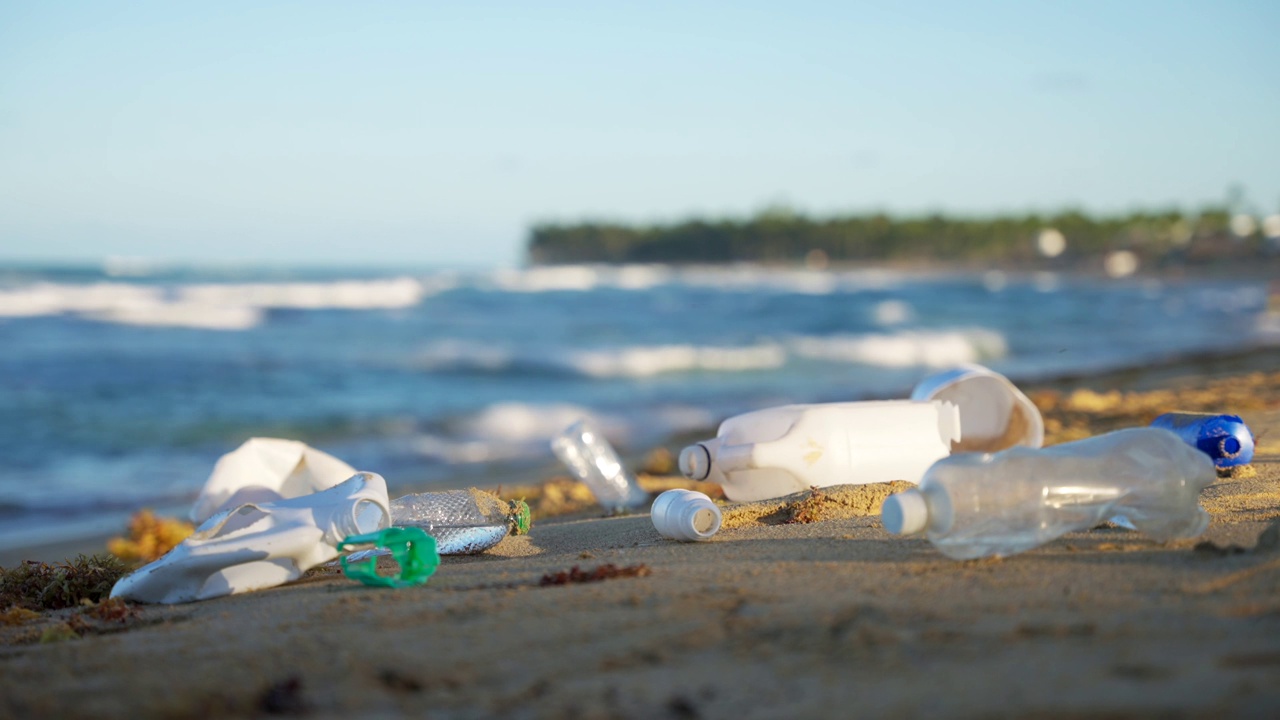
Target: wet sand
834	618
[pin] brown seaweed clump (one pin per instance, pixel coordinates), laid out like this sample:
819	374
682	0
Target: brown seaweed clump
608	571
149	537
834	502
51	586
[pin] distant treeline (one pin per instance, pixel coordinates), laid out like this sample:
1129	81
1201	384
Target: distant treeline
781	236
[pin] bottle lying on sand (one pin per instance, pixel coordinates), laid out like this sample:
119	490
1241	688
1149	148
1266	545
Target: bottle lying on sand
1224	438
994	414
685	515
778	451
463	522
592	460
977	505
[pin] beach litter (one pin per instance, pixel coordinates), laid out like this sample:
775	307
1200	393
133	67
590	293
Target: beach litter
685	515
593	461
265	470
255	546
782	450
994	414
412	549
976	505
1224	438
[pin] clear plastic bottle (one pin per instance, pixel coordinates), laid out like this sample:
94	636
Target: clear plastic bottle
593	461
462	521
980	505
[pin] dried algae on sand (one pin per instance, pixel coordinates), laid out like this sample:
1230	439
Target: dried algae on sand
834	502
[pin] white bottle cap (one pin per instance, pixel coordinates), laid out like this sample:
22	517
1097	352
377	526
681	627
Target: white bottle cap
685	515
695	462
905	513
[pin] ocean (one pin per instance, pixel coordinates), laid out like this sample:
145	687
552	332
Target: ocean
120	386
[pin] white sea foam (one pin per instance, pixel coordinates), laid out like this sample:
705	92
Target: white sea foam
905	349
182	314
733	278
636	362
231	306
393	293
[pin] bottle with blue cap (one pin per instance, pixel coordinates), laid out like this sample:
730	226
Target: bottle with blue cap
975	505
1224	438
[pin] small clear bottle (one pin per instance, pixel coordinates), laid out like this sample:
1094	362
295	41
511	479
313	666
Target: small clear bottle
977	505
593	461
463	522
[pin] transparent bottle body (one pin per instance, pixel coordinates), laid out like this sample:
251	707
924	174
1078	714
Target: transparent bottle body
463	522
593	461
983	505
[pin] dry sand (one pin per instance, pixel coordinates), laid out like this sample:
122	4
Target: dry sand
833	618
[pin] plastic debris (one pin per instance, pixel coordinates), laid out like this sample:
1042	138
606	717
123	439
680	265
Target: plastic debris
977	505
1224	438
257	546
266	470
778	451
594	462
685	515
412	548
994	414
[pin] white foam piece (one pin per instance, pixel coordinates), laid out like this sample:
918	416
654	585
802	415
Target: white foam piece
905	349
655	360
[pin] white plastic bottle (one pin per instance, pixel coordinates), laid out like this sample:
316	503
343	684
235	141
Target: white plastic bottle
778	451
977	505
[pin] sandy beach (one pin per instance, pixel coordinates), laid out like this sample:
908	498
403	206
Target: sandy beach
833	618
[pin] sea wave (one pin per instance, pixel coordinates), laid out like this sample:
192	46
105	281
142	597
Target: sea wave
732	278
906	348
909	348
211	306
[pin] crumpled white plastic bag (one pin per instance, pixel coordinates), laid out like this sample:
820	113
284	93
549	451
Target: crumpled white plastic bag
266	470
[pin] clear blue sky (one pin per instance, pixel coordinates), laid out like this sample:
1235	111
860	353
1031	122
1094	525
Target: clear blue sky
433	133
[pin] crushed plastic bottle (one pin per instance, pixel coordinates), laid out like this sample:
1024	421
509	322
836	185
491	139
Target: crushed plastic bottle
778	451
256	546
981	505
1224	438
593	461
463	522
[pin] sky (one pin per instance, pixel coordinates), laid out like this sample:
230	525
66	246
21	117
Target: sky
436	134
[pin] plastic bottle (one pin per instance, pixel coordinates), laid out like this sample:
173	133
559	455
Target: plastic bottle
994	414
593	461
778	451
977	505
257	546
1224	438
685	515
462	522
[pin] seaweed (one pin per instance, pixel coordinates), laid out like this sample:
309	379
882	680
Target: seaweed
608	571
51	586
149	537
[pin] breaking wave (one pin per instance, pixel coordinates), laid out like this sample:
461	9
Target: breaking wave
900	349
210	306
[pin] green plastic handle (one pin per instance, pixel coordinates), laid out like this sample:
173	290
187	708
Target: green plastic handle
413	548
